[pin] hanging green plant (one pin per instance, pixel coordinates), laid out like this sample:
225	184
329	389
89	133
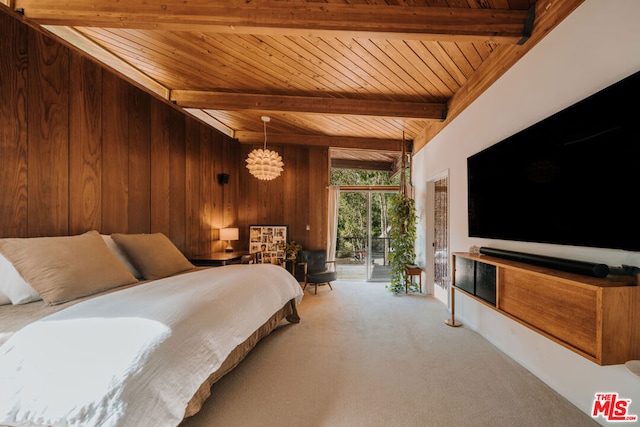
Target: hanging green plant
402	237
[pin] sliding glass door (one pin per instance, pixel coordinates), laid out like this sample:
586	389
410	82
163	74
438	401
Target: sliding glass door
363	246
378	268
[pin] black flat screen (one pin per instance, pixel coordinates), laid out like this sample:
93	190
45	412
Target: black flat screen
570	179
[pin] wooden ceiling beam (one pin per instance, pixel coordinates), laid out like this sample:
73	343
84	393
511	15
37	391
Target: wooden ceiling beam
286	18
304	104
369	144
211	121
363	165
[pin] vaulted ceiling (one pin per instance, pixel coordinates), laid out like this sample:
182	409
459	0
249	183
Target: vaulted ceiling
358	76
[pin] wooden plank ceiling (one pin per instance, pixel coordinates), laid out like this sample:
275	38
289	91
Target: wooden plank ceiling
359	76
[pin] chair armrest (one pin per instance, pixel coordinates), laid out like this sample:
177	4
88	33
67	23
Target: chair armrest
334	264
304	265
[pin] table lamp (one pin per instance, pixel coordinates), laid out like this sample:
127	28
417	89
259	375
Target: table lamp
229	234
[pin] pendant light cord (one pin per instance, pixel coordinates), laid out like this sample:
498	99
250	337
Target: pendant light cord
265	119
265	134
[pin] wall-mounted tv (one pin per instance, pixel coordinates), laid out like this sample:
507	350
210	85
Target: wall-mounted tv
571	179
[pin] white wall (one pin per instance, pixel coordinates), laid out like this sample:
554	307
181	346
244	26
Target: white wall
595	46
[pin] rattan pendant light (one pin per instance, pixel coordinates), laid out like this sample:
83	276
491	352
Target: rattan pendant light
262	163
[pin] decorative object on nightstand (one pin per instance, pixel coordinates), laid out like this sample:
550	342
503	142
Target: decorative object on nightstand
291	250
229	234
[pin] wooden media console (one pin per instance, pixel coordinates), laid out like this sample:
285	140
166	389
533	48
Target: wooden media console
598	318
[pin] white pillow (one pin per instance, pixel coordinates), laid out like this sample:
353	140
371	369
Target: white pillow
4	300
120	255
13	286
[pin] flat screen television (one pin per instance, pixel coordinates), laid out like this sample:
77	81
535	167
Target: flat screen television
570	179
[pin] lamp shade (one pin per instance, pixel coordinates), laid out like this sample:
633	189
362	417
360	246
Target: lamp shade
264	164
228	234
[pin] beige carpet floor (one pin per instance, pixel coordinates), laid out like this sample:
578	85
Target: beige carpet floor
363	357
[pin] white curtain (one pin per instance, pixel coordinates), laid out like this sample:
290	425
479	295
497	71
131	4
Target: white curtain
332	222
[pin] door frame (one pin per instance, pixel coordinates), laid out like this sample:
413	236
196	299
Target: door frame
369	190
430	208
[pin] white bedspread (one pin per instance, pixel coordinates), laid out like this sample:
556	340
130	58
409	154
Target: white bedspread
136	357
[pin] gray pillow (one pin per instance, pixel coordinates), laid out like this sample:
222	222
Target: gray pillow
64	268
153	255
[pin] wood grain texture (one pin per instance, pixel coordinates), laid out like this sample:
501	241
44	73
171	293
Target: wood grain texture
346	67
207	199
139	161
297	198
85	146
193	184
620	333
345	73
13	127
115	155
48	137
177	203
567	312
230	164
83	149
597	318
319	196
160	164
549	13
330	19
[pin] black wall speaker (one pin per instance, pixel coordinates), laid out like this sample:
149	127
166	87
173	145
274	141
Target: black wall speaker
223	178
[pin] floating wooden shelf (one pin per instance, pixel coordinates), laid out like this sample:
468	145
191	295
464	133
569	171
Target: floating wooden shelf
598	318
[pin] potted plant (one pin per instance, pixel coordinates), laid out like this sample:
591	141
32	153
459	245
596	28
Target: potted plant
402	237
291	250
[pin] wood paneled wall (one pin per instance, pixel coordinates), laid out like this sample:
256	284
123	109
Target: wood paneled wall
298	198
82	149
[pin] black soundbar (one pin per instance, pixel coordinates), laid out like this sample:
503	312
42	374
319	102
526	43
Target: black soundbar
569	265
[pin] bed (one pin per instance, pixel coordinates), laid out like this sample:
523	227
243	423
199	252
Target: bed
144	349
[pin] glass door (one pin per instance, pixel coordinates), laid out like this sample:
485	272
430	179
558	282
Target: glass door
378	240
351	246
363	245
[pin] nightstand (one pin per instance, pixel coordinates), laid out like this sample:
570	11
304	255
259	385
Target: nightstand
217	259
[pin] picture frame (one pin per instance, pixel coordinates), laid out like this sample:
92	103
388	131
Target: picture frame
269	241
